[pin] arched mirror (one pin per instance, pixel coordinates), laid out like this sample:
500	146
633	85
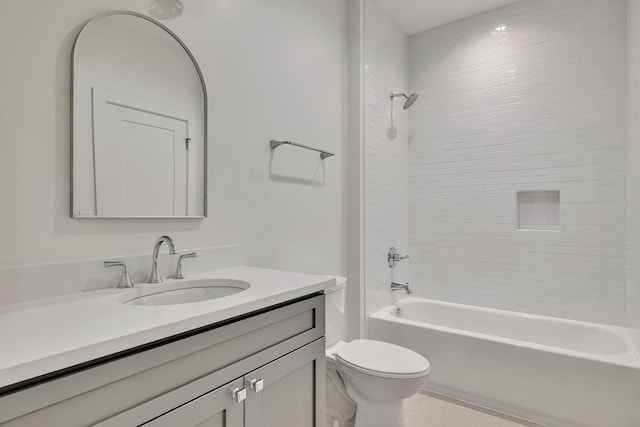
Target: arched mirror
139	122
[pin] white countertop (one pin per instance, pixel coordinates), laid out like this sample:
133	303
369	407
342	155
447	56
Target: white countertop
44	336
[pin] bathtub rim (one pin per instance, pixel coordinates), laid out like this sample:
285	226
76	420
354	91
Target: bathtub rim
631	337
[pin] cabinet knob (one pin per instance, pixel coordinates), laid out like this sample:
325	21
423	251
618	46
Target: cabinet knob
239	394
257	385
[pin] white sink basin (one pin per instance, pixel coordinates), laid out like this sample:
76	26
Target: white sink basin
184	292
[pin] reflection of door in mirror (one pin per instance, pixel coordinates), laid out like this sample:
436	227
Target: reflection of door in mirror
139	122
142	158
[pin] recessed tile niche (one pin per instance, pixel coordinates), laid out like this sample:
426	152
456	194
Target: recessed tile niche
539	210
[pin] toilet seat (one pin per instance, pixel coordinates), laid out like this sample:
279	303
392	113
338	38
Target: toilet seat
382	359
331	350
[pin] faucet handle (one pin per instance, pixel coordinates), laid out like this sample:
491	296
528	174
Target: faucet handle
179	274
125	280
393	257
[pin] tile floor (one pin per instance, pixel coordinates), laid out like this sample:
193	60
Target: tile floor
430	410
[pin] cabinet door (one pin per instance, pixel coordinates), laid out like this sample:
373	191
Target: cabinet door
288	392
218	408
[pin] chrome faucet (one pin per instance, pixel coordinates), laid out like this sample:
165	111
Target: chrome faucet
125	279
179	274
401	286
393	257
155	276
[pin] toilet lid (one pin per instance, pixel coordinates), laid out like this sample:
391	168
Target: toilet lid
382	359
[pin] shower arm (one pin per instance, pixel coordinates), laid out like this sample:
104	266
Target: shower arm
410	99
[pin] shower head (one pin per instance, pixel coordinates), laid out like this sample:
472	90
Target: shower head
409	99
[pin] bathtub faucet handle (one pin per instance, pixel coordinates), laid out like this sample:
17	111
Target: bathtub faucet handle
401	286
393	257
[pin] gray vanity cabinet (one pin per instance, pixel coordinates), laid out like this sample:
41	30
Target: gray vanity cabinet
274	359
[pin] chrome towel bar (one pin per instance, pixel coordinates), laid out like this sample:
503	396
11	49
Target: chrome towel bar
323	154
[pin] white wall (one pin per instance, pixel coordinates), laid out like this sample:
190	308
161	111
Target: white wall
273	70
540	106
386	154
354	172
633	293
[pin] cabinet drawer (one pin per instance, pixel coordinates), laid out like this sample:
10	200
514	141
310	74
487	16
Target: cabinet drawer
216	408
223	353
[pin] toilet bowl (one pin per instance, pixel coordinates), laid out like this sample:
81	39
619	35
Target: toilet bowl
341	408
367	381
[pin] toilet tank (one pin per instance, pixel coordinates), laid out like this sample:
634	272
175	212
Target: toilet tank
335	319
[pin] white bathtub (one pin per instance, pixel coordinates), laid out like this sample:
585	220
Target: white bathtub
553	371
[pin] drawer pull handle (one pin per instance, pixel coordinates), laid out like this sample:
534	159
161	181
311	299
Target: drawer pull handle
257	385
239	394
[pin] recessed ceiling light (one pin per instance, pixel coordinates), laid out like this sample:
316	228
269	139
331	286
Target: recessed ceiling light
499	29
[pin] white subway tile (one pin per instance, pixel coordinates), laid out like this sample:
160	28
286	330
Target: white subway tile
543	106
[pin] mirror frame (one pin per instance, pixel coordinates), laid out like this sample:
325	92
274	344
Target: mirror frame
205	120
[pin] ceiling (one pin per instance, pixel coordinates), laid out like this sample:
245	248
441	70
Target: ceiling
414	16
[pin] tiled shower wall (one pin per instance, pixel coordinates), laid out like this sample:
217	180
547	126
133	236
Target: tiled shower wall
386	155
528	97
633	294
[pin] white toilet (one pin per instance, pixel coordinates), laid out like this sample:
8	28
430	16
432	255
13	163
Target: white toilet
367	380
